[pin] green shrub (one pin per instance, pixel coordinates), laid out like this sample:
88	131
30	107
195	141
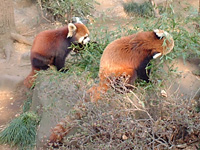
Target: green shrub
21	131
88	58
69	8
144	9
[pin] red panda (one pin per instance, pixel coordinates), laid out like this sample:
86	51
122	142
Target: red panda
129	56
51	47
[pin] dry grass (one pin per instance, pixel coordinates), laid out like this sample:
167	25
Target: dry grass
134	119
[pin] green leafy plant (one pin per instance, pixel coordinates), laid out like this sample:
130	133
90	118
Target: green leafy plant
88	57
69	8
21	131
144	9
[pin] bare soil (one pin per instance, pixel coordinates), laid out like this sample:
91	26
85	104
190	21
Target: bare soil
12	73
12	92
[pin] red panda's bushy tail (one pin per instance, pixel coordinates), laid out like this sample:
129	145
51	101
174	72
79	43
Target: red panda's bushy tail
65	126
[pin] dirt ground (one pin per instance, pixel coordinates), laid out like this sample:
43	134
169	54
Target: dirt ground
12	73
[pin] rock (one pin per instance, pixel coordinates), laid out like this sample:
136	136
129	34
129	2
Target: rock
53	100
187	84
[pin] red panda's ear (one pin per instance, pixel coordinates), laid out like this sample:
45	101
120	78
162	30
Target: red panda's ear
159	33
71	28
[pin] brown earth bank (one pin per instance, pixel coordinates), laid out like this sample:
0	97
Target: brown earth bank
12	73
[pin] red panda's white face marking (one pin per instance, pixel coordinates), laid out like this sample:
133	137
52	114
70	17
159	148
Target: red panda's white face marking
84	39
157	55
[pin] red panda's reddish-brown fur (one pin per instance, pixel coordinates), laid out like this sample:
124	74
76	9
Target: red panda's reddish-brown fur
126	56
51	47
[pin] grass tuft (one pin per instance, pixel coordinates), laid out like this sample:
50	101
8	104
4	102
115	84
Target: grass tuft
21	131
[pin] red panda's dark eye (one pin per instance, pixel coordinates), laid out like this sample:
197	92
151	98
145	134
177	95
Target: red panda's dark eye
159	37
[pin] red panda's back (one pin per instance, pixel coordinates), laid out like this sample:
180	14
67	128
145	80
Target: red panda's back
46	41
115	54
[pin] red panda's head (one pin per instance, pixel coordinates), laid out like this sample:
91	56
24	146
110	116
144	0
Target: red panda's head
79	32
167	42
157	42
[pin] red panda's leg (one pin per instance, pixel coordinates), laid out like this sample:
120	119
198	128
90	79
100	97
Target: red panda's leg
41	62
132	75
59	62
142	72
30	79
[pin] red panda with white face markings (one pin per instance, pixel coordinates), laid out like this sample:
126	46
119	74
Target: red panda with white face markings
51	47
129	56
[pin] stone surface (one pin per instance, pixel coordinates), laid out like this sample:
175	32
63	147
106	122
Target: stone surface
53	100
